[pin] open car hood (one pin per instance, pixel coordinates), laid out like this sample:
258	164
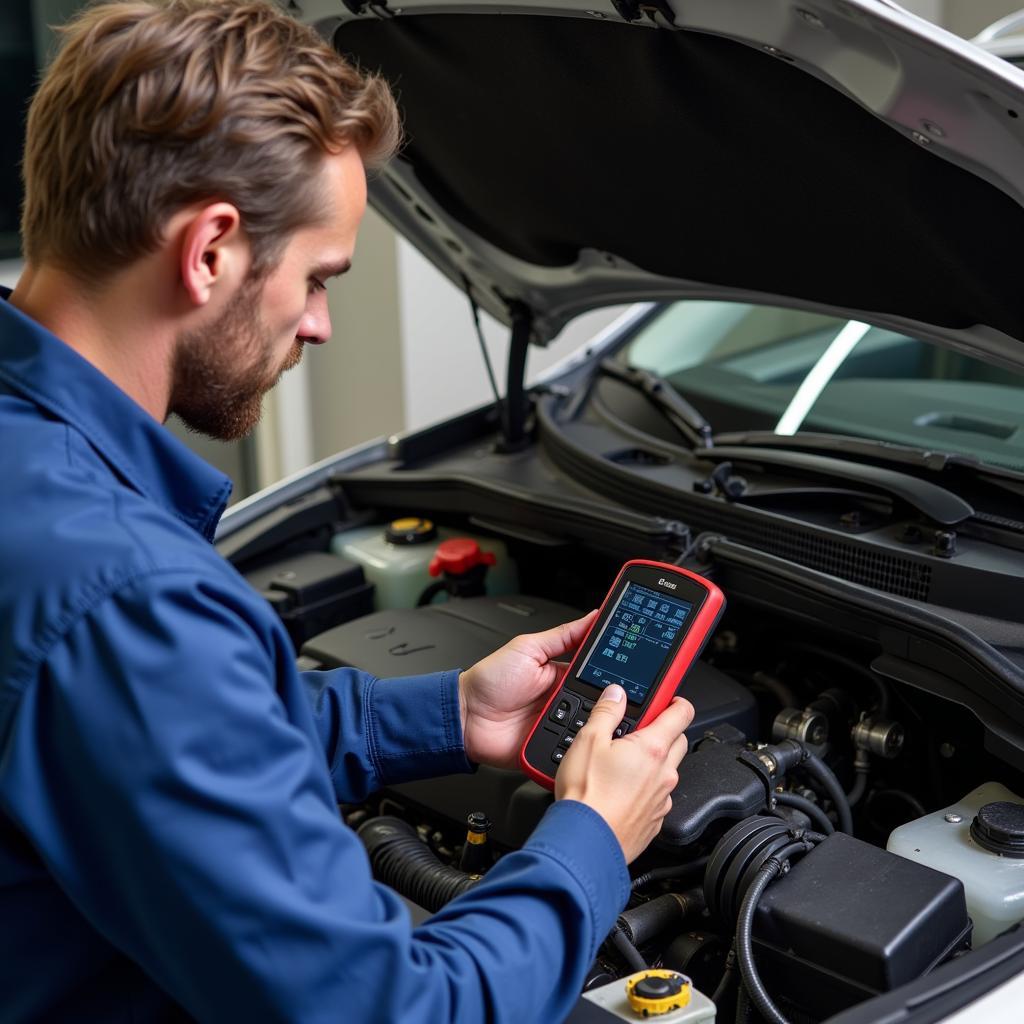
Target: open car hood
843	155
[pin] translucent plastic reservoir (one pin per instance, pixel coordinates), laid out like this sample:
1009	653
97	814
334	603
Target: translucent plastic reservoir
993	884
399	571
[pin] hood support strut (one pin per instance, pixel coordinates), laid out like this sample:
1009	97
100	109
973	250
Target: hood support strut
516	406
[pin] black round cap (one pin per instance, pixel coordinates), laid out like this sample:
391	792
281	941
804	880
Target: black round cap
658	988
478	822
999	827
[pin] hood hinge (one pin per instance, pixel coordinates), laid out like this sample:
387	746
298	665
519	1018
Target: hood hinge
658	11
378	7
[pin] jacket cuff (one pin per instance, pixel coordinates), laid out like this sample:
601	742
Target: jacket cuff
580	839
415	728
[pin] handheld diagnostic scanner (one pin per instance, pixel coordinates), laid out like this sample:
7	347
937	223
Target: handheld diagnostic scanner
653	624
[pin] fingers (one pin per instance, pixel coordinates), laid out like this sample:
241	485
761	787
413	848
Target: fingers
553	643
678	749
608	711
675	719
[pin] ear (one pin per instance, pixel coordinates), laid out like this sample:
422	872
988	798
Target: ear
214	250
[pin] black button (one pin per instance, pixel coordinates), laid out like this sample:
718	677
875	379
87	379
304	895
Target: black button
622	728
557	756
566	740
561	712
564	709
579	721
588	706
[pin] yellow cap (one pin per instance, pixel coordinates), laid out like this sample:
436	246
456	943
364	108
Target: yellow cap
651	993
411	523
410	530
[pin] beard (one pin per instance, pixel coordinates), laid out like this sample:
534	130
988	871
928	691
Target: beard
221	372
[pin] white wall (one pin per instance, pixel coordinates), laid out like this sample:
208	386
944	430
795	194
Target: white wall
443	368
933	10
964	17
10	270
356	380
968	17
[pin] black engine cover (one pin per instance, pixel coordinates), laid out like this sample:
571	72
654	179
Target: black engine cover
851	921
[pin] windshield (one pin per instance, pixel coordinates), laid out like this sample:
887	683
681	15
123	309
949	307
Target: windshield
751	367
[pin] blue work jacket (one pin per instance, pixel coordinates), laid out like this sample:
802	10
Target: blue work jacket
170	844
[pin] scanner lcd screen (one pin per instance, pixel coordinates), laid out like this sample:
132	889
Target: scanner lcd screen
636	639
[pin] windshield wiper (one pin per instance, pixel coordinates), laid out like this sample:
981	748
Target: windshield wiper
677	410
866	448
937	503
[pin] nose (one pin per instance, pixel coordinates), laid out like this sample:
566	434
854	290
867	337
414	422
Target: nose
315	325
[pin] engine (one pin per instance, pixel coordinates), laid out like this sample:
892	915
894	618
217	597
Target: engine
802	869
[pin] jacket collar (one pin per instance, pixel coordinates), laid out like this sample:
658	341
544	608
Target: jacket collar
147	457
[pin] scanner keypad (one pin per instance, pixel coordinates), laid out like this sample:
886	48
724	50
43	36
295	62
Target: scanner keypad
569	713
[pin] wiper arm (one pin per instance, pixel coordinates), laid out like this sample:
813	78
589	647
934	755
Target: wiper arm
938	504
677	410
865	448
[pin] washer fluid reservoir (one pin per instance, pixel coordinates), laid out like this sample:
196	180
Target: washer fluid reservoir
396	558
979	840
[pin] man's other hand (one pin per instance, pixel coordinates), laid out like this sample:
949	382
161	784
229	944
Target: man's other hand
628	781
501	696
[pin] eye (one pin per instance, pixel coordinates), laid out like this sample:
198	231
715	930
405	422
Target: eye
316	285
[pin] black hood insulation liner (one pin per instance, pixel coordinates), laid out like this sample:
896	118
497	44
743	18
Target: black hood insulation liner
693	157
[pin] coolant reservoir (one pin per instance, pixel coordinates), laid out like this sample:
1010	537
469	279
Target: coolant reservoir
396	559
979	840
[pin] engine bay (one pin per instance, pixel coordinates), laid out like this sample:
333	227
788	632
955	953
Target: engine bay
862	790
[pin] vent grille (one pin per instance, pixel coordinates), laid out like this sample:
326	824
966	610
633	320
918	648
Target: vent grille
891	574
900	576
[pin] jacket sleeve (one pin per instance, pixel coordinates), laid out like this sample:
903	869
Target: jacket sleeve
377	732
156	768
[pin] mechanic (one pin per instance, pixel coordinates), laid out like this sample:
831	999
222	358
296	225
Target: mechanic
170	844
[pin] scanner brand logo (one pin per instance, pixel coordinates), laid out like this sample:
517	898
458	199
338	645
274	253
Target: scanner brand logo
665	583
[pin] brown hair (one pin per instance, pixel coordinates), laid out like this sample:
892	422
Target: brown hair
151	105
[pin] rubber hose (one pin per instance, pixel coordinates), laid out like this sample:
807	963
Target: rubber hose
694	867
643	923
830	784
901	794
726	981
744	940
627	950
856	668
812	810
860	784
403	861
433	589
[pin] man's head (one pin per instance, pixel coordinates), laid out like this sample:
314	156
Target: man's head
226	142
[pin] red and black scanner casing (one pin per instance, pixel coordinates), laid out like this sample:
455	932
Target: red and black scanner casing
708	603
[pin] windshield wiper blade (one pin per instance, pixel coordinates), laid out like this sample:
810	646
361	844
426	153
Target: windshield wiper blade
864	447
937	503
687	420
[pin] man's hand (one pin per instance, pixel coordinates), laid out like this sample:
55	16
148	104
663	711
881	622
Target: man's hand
501	696
628	781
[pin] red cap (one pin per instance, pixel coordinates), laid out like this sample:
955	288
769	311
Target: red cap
458	555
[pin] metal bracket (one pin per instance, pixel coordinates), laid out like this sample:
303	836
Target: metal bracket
378	7
722	481
758	766
658	12
517	404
